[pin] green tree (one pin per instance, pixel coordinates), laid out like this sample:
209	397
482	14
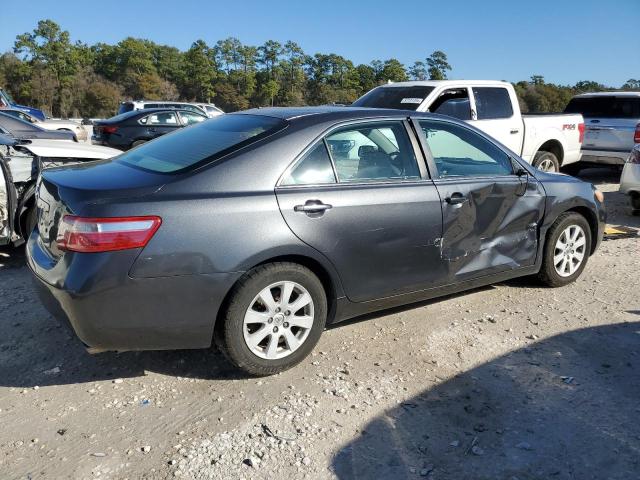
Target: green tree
200	72
631	84
392	71
418	71
438	65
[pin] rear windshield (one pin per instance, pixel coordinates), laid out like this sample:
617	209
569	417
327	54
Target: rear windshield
201	143
400	98
125	107
605	106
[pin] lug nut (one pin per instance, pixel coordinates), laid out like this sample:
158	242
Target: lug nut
287	313
285	324
275	329
270	320
278	310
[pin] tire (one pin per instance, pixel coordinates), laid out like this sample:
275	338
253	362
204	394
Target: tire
635	201
549	274
547	160
245	300
138	143
30	220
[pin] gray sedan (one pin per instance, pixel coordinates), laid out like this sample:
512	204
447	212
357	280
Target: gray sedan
23	130
257	229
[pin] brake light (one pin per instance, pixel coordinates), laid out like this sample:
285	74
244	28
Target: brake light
91	235
636	135
581	132
109	129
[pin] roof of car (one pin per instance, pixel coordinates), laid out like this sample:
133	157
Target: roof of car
334	111
147	111
436	83
610	94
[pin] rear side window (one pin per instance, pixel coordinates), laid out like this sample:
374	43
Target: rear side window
190	147
160	119
399	98
453	102
152	105
313	169
492	102
605	106
373	152
189	118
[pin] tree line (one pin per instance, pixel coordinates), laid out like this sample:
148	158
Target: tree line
66	79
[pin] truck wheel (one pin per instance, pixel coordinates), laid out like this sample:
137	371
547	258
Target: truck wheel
546	161
566	250
635	201
275	317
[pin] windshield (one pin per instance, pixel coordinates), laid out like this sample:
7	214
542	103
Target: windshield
399	98
201	143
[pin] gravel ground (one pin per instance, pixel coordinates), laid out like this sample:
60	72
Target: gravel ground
505	382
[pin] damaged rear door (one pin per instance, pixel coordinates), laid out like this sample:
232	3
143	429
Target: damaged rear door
490	213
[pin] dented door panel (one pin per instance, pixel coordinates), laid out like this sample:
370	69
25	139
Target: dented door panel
494	229
5	204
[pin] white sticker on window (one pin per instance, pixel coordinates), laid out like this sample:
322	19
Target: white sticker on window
411	100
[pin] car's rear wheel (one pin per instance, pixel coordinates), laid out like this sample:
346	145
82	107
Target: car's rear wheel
275	317
546	161
566	251
635	201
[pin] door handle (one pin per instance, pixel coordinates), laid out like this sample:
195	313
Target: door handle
514	131
455	199
312	206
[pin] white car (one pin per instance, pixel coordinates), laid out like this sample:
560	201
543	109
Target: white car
630	180
545	141
210	109
49	123
20	164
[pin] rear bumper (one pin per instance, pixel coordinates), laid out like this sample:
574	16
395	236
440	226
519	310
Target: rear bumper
605	157
109	310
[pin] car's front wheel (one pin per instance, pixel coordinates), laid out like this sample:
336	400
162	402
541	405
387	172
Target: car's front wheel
274	318
566	251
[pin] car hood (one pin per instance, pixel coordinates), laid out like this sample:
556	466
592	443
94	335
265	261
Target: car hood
67	149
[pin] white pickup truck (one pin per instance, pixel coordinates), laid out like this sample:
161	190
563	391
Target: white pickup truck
545	140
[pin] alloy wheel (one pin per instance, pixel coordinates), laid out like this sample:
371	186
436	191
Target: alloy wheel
569	250
278	320
547	165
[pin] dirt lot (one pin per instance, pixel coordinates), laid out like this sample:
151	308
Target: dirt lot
506	382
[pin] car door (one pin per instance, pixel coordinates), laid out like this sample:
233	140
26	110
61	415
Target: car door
360	197
159	123
491	207
495	116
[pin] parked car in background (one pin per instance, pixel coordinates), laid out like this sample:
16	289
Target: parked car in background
21	161
258	228
6	101
630	179
546	141
50	124
210	109
21	129
134	128
130	106
612	121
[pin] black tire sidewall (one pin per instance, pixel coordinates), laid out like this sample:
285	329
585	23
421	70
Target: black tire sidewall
548	272
231	338
542	155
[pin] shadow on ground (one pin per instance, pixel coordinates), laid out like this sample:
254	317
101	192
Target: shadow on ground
564	408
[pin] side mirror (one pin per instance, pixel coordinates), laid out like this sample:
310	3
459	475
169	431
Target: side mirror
521	172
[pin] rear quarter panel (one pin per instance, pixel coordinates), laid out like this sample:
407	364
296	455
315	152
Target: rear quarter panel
539	129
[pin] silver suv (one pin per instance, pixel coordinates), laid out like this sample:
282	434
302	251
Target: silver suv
612	122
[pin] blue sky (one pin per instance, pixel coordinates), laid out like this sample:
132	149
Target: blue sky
564	40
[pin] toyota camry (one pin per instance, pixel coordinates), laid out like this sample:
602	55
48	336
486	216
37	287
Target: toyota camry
258	229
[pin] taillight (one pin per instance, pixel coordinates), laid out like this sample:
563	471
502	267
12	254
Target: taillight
636	135
109	129
581	132
90	235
